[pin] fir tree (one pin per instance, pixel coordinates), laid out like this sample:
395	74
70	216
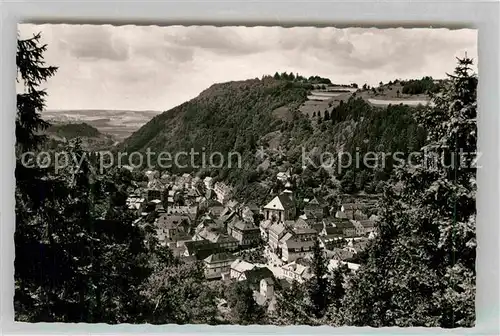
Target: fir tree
31	72
246	310
327	115
421	267
78	258
318	286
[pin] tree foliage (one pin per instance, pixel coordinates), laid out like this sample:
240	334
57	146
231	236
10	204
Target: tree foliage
421	267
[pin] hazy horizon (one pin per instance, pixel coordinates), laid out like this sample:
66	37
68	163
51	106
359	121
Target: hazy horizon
152	68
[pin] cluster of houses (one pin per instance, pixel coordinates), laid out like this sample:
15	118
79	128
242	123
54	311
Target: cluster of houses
198	220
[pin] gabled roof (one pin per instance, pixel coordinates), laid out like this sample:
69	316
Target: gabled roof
286	237
275	204
340	214
277	228
303	231
230	218
227	211
316	200
300	223
241	266
280	202
297	268
219	257
244	226
224	238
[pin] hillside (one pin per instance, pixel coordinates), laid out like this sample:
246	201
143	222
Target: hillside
92	139
225	117
242	116
71	131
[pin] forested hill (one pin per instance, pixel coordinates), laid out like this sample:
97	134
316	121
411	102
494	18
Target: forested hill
225	117
90	136
74	130
243	116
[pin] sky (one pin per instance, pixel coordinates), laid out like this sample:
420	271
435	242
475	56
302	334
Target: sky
157	68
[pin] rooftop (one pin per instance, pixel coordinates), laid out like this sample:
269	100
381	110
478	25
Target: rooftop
219	257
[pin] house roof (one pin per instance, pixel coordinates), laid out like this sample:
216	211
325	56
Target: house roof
232	204
226	212
297	268
340	214
277	228
280	202
353	206
219	257
275	204
341	254
229	217
203	248
333	230
224	238
286	237
303	231
244	226
314	201
170	221
344	224
241	266
300	223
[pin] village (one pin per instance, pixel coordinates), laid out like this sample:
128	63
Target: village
259	243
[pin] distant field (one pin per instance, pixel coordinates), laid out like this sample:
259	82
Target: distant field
119	124
321	100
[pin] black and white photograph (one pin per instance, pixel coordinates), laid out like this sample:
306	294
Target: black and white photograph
239	175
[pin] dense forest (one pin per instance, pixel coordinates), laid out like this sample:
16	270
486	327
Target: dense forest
74	130
241	117
79	259
91	139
